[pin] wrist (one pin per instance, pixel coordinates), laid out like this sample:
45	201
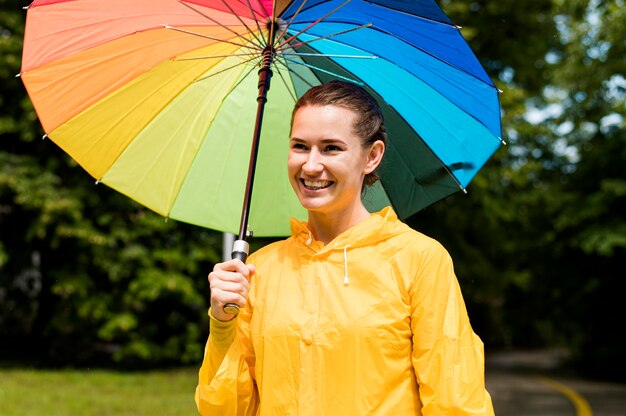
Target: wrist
221	332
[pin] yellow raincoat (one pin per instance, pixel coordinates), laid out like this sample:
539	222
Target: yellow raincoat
371	324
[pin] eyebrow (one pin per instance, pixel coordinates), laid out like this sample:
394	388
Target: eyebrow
323	141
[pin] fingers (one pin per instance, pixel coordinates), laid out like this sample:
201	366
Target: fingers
229	283
229	292
234	265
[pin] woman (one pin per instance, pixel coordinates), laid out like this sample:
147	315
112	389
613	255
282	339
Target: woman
355	313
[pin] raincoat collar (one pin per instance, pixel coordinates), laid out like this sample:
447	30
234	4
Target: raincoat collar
378	227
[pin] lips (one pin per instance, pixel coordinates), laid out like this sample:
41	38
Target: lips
315	185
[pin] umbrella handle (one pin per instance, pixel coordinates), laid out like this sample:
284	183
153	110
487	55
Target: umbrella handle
240	251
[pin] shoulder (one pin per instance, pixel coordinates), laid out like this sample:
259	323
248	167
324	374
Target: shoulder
419	259
412	242
418	262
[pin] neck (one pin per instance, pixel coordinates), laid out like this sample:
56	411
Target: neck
326	226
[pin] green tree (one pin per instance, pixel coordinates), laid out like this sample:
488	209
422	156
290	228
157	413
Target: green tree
591	222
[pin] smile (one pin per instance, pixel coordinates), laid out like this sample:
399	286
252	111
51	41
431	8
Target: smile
315	185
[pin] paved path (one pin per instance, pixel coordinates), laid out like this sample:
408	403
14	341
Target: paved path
529	384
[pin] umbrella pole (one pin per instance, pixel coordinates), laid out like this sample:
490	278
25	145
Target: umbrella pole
265	75
240	246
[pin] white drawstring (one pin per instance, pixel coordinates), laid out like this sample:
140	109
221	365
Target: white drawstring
310	239
346	281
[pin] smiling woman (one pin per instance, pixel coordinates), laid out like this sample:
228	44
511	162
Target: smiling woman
355	313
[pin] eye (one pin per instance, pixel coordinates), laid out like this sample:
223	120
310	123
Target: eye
298	146
333	148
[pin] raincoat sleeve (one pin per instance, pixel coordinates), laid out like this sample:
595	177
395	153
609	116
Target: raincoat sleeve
226	383
447	356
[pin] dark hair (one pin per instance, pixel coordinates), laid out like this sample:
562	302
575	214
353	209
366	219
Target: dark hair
369	124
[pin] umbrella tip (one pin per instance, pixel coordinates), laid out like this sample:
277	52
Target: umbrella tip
44	137
18	75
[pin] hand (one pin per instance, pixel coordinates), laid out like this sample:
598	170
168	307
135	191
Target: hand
229	283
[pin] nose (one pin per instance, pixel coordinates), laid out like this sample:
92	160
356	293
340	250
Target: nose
313	163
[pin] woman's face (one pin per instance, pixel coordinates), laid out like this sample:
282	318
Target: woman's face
327	161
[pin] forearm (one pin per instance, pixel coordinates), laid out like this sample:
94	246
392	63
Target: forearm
221	336
226	385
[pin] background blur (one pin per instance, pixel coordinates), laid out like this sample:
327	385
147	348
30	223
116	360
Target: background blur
90	278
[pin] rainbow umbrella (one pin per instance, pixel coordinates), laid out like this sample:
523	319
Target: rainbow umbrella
166	100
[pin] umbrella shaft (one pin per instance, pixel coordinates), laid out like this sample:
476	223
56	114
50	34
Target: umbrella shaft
240	247
265	76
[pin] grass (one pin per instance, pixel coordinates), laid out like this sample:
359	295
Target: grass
97	393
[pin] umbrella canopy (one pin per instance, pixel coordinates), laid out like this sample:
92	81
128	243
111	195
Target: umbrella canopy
158	98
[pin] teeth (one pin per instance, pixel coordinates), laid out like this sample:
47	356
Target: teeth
316	184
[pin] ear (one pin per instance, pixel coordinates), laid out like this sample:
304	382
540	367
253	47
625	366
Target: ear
374	156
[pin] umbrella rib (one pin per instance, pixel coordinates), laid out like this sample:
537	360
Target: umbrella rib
227	55
263	7
229	68
281	59
282	33
259	45
314	23
255	21
285	82
342	32
328	55
447	169
206	36
261	42
240	80
323	70
272	33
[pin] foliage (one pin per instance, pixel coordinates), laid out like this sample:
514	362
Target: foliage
98	277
